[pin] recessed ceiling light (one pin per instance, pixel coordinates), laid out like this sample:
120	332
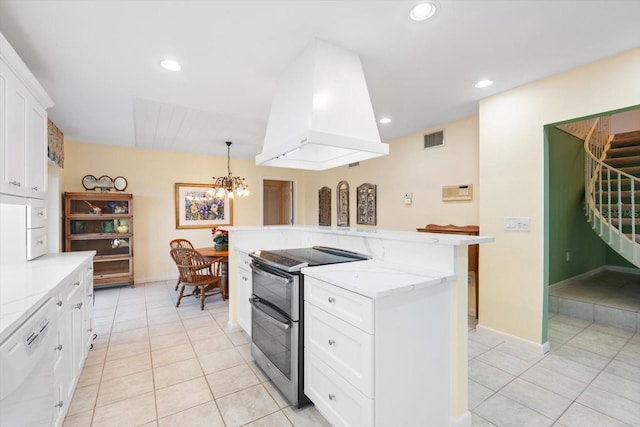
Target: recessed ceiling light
170	65
483	83
385	120
422	11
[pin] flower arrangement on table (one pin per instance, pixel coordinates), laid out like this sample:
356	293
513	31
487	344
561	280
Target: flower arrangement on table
220	238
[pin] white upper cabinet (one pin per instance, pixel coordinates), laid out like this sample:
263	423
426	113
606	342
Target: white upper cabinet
23	127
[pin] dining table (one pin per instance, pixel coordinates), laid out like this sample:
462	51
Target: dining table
210	253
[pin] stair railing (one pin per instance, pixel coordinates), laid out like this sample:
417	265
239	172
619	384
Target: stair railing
600	178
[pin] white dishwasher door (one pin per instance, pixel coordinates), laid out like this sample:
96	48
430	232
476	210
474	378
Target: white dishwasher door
26	371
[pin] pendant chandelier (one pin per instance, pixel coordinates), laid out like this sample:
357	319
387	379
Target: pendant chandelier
230	185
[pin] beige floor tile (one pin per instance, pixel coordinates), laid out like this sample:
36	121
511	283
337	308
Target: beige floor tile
84	399
133	411
129	336
173	354
121	351
82	419
246	406
126	325
231	380
177	372
165	328
256	370
126	366
204	332
277	419
163	341
275	394
212	344
96	356
125	387
219	360
205	415
185	395
305	417
90	375
198	322
245	352
239	338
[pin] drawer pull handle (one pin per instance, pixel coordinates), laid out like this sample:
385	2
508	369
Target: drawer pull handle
332	342
40	213
58	347
77	283
16	183
59	303
59	404
332	396
90	268
35	188
90	295
331	300
78	305
39	242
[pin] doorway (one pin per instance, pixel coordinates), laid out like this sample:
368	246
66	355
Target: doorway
277	202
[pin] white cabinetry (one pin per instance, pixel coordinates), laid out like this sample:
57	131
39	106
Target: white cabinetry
378	361
23	128
75	302
245	290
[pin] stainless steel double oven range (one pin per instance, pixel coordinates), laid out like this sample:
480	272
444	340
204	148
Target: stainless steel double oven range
277	312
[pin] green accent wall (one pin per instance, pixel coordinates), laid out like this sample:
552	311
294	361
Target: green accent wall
569	230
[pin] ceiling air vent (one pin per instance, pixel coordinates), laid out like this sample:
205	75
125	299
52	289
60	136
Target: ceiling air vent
354	164
433	140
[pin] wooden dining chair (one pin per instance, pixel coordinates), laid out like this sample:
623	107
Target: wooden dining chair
180	243
197	273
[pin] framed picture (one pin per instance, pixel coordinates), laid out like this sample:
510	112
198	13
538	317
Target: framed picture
198	206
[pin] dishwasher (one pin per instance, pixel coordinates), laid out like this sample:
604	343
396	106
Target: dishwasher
27	359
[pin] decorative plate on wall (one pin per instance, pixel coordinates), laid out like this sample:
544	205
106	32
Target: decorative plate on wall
89	182
120	183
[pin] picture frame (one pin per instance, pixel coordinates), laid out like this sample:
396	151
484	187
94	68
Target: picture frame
197	206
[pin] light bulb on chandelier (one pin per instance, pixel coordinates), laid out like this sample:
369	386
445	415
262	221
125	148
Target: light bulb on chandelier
230	185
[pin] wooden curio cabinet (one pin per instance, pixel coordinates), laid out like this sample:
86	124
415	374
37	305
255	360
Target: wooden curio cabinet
102	222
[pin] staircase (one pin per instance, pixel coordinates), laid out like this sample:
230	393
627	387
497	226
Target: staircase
612	189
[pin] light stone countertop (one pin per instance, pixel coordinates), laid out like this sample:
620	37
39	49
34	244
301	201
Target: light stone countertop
406	236
25	286
372	278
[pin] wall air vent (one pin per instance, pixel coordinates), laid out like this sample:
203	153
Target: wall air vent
433	140
354	164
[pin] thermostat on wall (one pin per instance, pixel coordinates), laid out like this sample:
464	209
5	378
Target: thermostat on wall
457	193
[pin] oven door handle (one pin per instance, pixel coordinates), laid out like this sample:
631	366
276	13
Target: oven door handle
283	321
277	277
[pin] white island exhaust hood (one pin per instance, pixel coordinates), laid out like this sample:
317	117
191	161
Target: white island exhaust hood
321	116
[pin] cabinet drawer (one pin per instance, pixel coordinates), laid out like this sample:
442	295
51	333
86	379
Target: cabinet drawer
36	242
36	213
244	260
348	306
336	399
345	348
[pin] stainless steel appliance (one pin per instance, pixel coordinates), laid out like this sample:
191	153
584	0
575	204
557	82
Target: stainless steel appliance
277	329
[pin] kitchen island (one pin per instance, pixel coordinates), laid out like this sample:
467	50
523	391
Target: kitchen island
406	267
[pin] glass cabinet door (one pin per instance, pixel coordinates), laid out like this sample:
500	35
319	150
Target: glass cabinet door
99	226
97	206
104	246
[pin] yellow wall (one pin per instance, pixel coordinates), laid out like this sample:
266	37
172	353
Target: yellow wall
410	168
512	177
151	175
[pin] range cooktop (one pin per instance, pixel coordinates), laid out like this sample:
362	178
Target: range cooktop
292	260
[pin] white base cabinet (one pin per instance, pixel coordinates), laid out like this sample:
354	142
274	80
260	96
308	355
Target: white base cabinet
382	361
75	312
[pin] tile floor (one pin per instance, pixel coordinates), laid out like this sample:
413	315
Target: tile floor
608	297
155	365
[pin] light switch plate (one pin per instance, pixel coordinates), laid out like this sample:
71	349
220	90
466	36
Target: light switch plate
517	224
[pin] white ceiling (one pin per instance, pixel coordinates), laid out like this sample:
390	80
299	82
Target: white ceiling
99	59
